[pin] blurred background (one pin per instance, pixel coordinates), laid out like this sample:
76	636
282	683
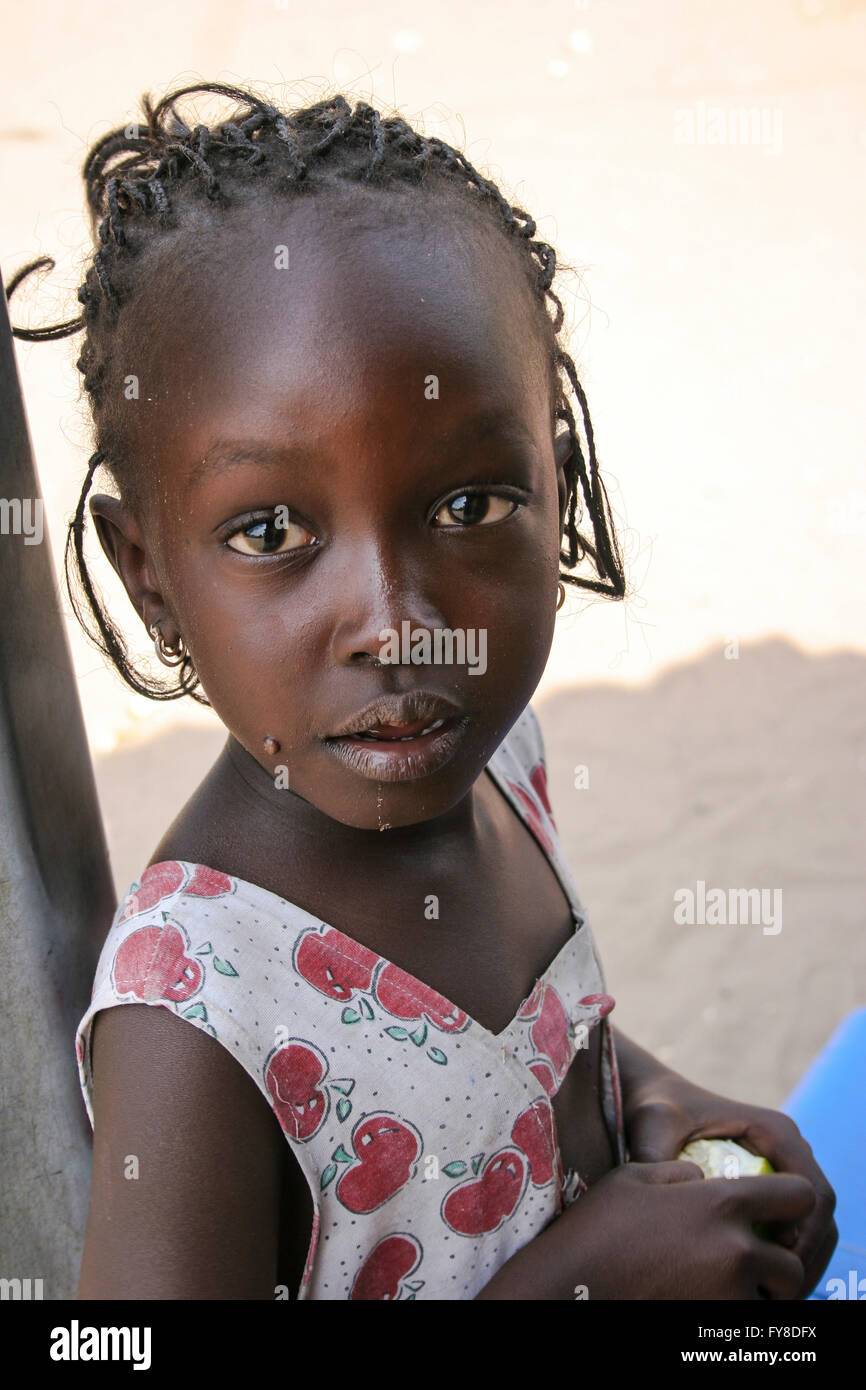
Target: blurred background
702	169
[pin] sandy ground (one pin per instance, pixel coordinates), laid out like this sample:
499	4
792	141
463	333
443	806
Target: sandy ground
747	773
721	334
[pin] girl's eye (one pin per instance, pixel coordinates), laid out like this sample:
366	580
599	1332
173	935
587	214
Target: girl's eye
470	508
270	535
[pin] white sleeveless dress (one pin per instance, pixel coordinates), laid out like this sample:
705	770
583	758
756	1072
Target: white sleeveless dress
429	1143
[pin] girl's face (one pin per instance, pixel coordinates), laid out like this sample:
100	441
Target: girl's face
344	424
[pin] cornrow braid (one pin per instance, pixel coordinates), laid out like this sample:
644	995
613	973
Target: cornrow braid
140	178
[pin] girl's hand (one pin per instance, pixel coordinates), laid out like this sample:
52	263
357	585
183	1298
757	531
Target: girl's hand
666	1112
661	1231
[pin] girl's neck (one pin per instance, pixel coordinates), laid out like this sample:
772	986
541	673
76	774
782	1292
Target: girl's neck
278	817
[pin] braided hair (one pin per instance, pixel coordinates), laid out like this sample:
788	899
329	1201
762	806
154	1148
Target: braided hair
144	179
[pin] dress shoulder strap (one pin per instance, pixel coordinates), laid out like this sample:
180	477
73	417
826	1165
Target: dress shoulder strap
176	941
520	767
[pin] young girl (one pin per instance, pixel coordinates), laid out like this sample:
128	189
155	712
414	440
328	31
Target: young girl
330	395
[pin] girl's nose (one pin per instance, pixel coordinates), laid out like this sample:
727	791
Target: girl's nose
381	633
375	601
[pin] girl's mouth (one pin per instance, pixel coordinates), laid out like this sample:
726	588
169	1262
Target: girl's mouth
399	752
399	733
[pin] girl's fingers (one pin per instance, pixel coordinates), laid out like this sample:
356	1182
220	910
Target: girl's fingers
819	1261
775	1197
780	1273
670	1170
793	1155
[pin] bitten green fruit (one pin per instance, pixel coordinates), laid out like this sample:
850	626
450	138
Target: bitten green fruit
722	1158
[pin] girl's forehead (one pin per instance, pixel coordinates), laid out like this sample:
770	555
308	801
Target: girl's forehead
321	281
285	312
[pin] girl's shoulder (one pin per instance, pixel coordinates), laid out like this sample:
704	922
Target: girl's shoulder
198	942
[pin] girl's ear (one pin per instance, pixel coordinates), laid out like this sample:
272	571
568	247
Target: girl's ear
123	542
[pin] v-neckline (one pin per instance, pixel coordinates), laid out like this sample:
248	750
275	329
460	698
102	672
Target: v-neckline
499	780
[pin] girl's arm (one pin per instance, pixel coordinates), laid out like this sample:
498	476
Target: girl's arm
188	1163
636	1068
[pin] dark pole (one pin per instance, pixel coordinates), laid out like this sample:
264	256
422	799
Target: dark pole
56	893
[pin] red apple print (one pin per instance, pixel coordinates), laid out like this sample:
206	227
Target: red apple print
155	883
209	883
543	1073
535	818
538	778
388	1149
293	1075
481	1205
551	1032
530	1006
151	964
407	998
387	1265
604	1001
334	964
535	1133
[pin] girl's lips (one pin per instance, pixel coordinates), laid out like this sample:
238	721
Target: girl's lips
401	757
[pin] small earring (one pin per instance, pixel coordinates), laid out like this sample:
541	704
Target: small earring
169	656
561	600
272	748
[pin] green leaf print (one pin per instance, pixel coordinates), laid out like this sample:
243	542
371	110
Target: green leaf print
196	1011
476	1161
436	1055
328	1176
455	1169
223	966
344	1108
350	1016
341	1156
398	1033
209	1028
204	950
418	1284
366	1009
419	1037
344	1084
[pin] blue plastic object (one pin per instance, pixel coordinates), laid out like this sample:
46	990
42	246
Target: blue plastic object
828	1105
